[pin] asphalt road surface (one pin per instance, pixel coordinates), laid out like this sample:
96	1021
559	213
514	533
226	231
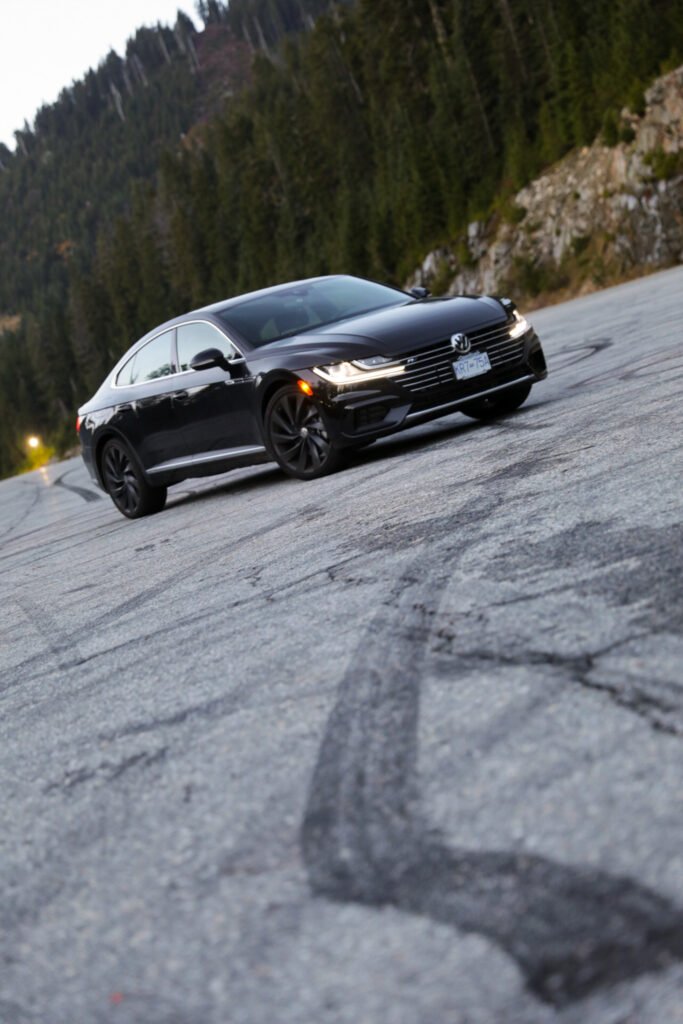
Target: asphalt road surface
398	746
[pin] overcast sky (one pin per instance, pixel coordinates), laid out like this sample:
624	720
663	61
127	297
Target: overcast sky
47	44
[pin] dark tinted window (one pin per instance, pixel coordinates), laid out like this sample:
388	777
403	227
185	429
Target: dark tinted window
153	360
304	307
150	362
194	338
124	374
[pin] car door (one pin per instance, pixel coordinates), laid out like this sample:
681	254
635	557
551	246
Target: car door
215	408
148	382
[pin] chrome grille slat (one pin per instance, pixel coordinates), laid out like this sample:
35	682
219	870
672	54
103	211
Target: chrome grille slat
437	373
487	336
432	367
425	364
511	352
425	387
503	345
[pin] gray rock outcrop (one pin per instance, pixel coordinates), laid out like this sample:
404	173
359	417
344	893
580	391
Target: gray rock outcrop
601	213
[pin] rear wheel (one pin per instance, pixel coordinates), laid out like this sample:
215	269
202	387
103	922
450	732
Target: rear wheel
297	437
126	485
498	404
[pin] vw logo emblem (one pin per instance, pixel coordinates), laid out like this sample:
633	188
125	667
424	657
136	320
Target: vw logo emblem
460	343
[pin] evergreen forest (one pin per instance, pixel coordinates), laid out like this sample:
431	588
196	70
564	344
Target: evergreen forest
277	139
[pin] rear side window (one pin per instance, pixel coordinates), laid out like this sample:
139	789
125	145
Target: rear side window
194	338
152	361
124	374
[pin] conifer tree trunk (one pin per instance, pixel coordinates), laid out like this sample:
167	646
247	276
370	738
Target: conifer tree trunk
480	102
440	29
510	25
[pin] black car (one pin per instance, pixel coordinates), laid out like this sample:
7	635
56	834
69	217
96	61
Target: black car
299	373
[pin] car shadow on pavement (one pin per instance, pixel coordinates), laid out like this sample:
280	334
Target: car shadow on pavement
416	439
254	479
426	435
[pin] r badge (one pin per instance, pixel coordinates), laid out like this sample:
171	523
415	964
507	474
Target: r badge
461	343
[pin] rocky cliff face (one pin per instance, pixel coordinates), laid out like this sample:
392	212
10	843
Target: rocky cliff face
601	214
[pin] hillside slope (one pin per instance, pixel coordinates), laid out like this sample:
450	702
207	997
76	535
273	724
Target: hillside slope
77	167
74	169
601	214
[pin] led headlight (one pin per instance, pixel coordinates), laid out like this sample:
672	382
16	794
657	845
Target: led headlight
520	326
359	370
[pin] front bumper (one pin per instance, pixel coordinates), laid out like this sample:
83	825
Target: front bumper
428	389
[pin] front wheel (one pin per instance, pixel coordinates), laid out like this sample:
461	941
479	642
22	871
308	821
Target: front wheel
125	484
498	404
297	437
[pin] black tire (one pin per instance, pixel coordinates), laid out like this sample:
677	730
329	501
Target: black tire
296	435
125	484
497	405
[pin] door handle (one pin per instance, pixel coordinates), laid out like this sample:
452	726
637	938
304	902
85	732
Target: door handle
181	396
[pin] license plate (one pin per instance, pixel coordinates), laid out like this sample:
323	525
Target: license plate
472	365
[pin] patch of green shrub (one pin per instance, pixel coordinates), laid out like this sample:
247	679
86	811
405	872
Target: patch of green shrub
664	165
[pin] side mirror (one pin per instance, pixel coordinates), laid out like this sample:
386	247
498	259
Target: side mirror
207	358
419	292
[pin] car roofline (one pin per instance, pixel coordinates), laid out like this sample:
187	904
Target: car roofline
213	310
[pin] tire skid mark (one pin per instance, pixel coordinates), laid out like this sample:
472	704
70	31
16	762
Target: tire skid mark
647	366
61	537
107	771
306	582
69	641
662	711
364	838
569	355
30	505
211	710
132	604
77	540
82	492
127	645
56	641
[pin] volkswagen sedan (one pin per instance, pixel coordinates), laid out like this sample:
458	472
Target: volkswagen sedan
301	374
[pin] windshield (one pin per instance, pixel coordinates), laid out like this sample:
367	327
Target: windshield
305	306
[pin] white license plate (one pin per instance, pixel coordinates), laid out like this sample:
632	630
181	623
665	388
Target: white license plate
472	365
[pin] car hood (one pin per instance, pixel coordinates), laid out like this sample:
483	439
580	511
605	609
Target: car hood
393	331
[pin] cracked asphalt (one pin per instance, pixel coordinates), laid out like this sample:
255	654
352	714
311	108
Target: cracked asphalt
399	746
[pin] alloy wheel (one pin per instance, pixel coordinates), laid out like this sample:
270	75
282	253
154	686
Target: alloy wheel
121	479
298	435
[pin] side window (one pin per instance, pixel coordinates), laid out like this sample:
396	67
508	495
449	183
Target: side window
125	373
194	338
153	360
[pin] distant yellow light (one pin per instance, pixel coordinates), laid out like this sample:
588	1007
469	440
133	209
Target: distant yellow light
34	442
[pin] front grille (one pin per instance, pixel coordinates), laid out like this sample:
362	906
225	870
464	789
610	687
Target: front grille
432	367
